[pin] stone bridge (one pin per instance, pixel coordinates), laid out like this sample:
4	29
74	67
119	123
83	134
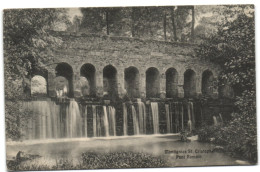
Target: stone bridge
142	68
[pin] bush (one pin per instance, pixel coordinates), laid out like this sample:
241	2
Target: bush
92	160
235	136
16	119
121	160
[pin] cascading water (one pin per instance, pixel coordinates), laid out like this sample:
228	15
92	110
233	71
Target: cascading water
220	117
124	119
155	116
191	118
135	121
182	116
105	121
215	121
99	122
86	121
176	116
94	121
168	119
192	115
70	119
42	124
141	116
112	120
74	120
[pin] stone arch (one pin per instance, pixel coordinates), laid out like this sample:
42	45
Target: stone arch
132	81
110	81
89	72
207	85
171	83
64	77
39	86
41	75
189	83
152	83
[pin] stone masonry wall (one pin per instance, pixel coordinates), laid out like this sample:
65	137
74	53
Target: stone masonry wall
121	52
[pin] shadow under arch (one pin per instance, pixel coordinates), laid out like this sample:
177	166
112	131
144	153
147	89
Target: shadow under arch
132	81
152	83
89	72
207	83
110	82
65	70
189	84
171	83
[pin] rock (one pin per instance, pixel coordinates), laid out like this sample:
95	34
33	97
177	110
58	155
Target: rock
22	156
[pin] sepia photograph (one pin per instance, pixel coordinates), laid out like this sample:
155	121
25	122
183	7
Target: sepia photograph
129	87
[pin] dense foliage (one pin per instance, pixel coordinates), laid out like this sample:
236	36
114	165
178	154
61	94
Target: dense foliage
26	41
233	47
161	23
93	160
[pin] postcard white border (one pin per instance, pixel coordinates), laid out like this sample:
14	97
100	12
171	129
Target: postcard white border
98	3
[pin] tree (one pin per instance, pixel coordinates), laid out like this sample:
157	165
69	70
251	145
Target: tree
142	22
233	48
173	24
26	41
192	23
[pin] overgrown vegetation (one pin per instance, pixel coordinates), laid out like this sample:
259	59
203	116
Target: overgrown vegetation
92	160
26	41
233	47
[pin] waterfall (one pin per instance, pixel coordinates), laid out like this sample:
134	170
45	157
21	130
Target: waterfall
155	116
215	122
99	115
141	116
168	120
55	120
112	120
74	120
65	90
43	122
220	116
135	121
189	124
86	121
94	121
182	117
192	115
174	116
124	119
191	118
68	120
50	119
105	121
